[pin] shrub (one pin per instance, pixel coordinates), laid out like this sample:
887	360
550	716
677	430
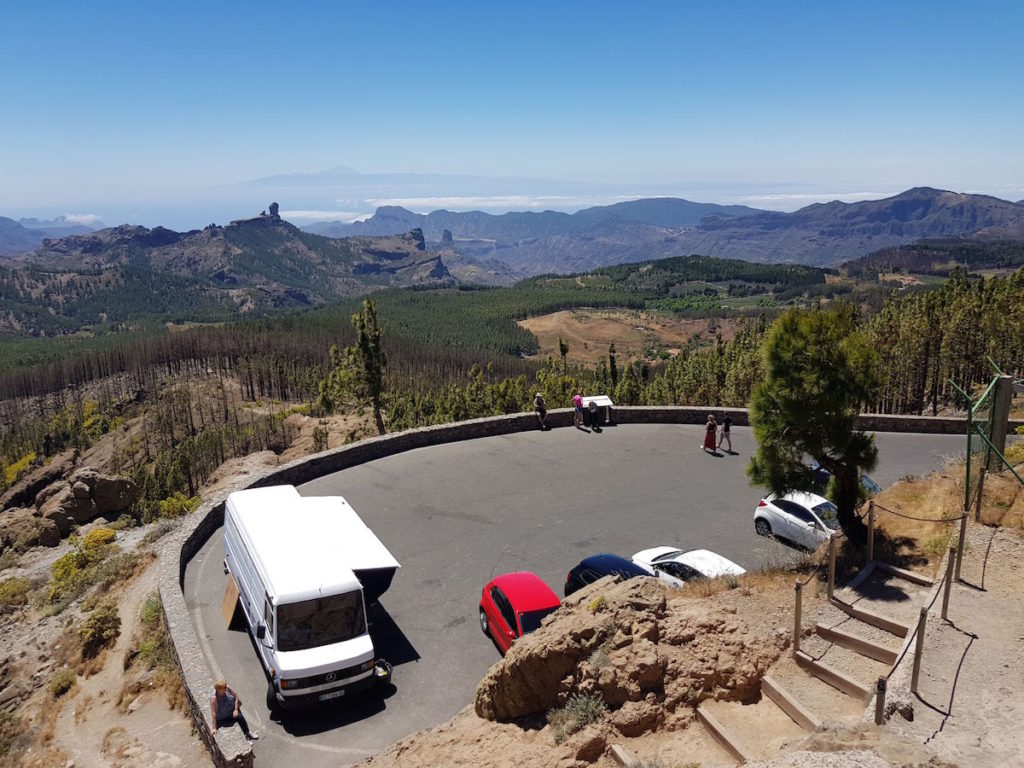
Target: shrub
62	682
579	711
96	544
14	591
92	560
10	729
8	559
730	581
158	531
178	505
600	658
124	522
13	471
100	629
151	612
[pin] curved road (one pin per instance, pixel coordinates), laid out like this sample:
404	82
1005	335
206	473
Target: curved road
457	514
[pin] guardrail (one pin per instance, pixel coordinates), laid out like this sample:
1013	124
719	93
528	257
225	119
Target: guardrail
229	748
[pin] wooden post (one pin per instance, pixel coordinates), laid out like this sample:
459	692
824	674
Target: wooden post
797	618
948	584
880	700
871	530
918	649
960	543
831	565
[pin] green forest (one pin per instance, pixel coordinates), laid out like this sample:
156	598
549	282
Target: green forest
213	391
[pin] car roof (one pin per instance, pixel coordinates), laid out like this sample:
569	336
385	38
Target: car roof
526	591
606	562
709	563
809	500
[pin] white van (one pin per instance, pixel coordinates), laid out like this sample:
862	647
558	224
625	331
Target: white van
305	568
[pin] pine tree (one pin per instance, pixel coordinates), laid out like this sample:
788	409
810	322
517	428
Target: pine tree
819	371
357	372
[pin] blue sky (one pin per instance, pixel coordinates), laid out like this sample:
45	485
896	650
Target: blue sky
157	112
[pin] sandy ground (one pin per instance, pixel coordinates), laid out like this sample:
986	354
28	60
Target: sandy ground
590	331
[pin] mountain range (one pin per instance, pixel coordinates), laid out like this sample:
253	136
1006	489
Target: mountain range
823	234
128	273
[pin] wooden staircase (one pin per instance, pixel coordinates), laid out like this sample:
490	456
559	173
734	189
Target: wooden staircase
858	639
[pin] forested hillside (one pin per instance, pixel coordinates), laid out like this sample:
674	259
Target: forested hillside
196	396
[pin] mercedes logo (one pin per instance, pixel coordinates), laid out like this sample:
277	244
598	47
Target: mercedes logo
330	677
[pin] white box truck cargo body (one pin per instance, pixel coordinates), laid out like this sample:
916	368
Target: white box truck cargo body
303	566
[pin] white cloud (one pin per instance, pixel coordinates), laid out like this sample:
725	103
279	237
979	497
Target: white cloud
81	218
344	216
499	202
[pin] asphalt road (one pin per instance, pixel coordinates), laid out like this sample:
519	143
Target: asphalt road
456	515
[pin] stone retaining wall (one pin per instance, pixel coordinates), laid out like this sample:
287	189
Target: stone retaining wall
230	748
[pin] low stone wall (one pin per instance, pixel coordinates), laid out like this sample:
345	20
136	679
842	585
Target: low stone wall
229	747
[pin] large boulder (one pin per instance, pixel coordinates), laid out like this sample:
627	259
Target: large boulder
650	655
25	490
85	495
23	527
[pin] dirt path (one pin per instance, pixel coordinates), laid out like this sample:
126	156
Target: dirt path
971	696
94	733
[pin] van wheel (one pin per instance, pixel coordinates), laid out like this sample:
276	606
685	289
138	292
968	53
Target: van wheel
762	527
271	698
483	621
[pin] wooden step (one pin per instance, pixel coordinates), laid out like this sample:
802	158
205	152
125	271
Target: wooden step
721	734
788	703
838	680
910	576
857	644
872	618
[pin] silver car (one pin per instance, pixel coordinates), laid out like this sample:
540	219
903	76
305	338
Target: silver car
806	519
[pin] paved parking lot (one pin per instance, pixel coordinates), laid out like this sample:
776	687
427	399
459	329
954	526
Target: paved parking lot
456	515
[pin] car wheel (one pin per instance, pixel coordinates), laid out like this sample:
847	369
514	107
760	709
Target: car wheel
762	527
483	622
271	698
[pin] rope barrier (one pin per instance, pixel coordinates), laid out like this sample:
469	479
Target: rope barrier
909	641
919	519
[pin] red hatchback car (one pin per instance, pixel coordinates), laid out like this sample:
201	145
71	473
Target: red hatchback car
514	604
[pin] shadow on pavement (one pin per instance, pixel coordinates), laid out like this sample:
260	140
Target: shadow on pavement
389	642
308	722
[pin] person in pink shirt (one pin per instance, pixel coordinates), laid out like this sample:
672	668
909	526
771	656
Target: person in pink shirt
577	404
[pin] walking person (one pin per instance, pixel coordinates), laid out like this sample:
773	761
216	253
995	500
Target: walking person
577	405
541	409
711	430
226	709
726	438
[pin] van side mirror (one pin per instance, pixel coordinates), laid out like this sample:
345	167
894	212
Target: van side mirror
261	631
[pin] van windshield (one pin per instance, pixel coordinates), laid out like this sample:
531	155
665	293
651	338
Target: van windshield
321	621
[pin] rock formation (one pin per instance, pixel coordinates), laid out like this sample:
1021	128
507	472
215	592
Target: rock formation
84	496
651	659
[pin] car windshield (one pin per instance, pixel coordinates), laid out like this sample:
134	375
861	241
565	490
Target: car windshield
321	621
530	620
870	485
829	514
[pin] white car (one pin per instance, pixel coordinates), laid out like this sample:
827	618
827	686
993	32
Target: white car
676	567
806	519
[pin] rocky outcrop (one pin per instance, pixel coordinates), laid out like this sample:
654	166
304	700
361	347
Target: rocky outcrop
85	495
23	527
650	658
24	491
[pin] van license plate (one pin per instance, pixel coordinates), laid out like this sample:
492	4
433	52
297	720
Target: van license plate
332	695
